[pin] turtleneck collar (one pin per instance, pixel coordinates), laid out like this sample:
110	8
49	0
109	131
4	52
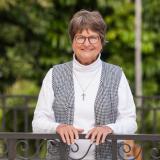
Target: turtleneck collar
87	68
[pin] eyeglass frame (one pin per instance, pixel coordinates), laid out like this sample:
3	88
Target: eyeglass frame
97	36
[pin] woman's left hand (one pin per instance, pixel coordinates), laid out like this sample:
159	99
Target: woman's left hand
99	134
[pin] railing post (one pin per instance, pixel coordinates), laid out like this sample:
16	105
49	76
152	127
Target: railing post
114	148
11	149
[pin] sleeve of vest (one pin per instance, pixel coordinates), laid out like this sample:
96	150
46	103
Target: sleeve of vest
126	119
44	120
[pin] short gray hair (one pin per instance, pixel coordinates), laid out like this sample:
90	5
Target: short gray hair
85	19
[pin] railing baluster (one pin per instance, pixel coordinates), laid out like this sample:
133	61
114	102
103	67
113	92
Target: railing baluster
11	149
26	115
114	149
154	120
4	113
15	119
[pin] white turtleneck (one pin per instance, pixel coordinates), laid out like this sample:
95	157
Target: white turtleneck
86	80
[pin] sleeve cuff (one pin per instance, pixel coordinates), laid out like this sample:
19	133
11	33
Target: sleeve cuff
112	126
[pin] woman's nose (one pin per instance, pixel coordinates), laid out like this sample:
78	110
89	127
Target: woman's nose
86	42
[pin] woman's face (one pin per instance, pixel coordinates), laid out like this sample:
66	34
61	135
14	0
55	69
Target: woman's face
86	46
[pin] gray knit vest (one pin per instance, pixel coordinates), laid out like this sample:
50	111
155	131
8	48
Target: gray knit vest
105	106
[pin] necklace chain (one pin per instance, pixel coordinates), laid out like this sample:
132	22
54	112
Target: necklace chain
85	89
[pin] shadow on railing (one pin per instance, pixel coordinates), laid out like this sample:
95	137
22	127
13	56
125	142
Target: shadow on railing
27	146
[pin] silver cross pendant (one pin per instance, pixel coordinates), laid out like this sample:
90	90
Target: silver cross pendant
83	96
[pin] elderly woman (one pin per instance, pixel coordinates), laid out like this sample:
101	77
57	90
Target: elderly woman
85	95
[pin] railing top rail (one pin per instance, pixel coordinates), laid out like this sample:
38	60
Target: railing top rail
18	96
30	135
148	97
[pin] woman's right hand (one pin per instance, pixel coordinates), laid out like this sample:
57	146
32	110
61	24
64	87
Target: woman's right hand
68	133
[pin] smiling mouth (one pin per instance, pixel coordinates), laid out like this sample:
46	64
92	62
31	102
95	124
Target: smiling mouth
86	50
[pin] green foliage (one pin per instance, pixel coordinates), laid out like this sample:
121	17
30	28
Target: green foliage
34	36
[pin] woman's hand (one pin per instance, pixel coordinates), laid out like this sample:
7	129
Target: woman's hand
99	134
68	133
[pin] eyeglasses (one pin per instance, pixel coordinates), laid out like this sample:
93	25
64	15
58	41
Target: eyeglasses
81	39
